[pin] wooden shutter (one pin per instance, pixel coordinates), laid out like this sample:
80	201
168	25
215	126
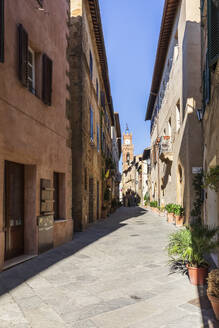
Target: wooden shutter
2	31
91	66
47	80
91	124
102	96
23	55
213	31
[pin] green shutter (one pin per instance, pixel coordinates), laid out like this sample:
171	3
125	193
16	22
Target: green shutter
213	31
2	31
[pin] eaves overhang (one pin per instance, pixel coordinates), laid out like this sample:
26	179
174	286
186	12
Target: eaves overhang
98	31
169	14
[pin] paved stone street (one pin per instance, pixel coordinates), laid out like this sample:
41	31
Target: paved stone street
113	275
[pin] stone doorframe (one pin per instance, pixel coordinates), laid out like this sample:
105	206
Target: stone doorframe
30	222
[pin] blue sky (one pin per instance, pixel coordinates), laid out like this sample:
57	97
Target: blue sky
131	31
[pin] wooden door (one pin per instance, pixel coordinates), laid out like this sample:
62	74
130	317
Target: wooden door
98	200
14	209
91	200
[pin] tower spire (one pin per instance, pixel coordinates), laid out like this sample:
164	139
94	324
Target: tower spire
127	129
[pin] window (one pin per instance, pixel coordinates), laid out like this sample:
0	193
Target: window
91	66
178	121
206	84
31	71
91	124
40	2
213	32
128	158
2	31
47	80
102	95
169	128
59	195
98	138
85	179
97	90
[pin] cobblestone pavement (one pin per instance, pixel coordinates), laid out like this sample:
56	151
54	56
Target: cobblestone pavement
114	275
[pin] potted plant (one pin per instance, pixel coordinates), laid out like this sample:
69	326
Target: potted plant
179	215
190	246
170	213
213	290
154	205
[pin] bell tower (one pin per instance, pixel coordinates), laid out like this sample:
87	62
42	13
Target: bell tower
127	149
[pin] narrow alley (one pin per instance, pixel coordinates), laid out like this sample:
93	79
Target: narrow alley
113	275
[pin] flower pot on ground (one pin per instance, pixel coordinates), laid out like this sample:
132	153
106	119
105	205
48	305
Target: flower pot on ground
213	291
179	220
197	276
189	246
170	213
179	215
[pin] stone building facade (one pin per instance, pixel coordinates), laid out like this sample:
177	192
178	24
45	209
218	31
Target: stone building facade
210	106
35	153
176	135
116	154
91	114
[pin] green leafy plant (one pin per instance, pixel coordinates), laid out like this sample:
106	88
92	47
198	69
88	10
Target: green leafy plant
211	178
213	283
197	204
146	198
154	203
178	210
191	244
170	208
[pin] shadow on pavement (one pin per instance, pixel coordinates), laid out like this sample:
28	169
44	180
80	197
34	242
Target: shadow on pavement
15	276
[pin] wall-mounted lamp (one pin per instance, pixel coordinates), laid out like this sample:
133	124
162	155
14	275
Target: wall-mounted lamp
199	113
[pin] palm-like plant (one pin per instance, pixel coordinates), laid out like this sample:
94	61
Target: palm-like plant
190	245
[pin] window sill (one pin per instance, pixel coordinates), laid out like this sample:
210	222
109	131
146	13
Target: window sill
60	220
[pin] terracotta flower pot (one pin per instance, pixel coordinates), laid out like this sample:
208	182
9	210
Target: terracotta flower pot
179	220
197	276
215	305
170	218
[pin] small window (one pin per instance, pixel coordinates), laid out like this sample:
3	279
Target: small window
97	90
59	195
91	65
85	179
178	120
40	2
91	124
169	128
31	71
98	138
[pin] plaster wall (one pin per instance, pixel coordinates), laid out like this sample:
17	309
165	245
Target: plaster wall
32	133
180	86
